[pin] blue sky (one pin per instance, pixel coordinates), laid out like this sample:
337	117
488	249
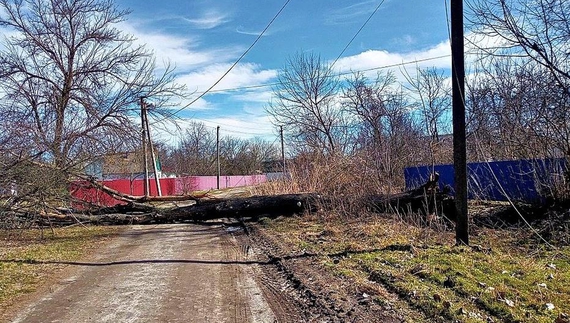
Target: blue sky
203	38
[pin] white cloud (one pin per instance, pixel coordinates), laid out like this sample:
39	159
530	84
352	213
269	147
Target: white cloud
405	40
244	126
242	30
263	96
351	13
180	51
199	105
437	56
210	19
245	74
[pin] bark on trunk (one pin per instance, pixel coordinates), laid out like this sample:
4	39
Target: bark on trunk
425	200
203	210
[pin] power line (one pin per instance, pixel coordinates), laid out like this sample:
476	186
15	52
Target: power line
229	130
238	60
356	34
174	114
223	124
335	75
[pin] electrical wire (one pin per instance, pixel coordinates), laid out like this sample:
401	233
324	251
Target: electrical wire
238	60
210	89
229	130
338	74
335	75
495	177
356	34
174	114
224	124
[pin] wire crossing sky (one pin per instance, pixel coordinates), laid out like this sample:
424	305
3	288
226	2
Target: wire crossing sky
229	52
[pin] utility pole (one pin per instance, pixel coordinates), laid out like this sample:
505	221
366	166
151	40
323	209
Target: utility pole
144	138
459	146
218	155
282	149
154	167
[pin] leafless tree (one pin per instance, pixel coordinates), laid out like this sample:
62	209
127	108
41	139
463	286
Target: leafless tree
306	104
70	80
433	99
252	155
516	111
245	157
387	132
432	103
539	30
195	153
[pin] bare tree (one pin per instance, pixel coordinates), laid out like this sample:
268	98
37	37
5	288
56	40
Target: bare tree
387	132
516	111
196	151
433	99
70	80
432	93
306	104
539	30
244	157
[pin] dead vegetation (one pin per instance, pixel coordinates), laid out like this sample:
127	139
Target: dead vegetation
503	277
516	269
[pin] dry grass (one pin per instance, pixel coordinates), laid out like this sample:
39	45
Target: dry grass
507	276
21	250
497	279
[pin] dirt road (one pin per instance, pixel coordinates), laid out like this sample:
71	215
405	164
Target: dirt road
161	273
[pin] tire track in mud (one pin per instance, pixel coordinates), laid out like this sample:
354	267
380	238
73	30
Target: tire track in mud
318	295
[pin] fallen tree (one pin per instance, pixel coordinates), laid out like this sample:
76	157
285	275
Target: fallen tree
205	206
426	200
203	210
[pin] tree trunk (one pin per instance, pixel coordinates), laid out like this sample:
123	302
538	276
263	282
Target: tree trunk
204	209
425	200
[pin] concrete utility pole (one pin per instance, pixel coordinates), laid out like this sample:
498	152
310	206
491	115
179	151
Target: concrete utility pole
154	166
459	146
218	155
282	149
144	138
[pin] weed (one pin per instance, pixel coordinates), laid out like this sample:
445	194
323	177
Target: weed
497	279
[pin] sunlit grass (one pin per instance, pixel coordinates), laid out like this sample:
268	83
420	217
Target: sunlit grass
499	279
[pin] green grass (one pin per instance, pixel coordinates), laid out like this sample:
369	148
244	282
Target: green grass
500	279
22	254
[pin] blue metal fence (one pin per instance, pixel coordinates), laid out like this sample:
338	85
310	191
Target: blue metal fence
529	180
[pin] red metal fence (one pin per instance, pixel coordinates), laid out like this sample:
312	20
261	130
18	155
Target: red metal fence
169	186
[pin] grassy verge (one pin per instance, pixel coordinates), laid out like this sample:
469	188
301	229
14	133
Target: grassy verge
501	278
22	254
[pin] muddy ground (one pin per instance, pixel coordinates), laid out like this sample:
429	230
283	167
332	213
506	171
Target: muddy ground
199	273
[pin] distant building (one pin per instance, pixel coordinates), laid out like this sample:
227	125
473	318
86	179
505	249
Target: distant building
124	165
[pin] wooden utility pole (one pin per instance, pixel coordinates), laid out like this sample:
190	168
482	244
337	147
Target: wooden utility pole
144	138
459	146
218	156
282	149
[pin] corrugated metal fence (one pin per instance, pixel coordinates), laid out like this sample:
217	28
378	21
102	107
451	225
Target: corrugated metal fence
530	180
169	186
